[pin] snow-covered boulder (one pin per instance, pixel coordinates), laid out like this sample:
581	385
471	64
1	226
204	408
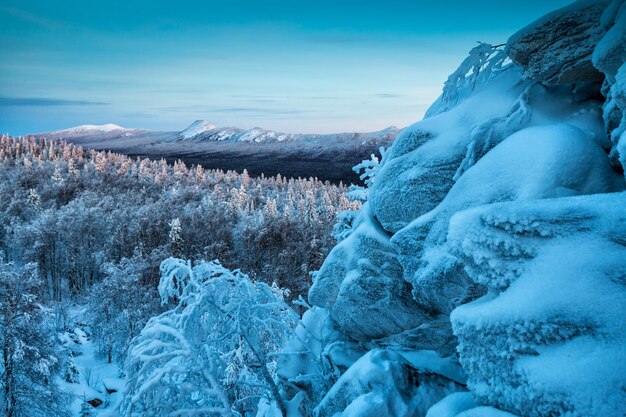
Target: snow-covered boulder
361	284
384	384
495	228
315	357
452	405
557	48
548	338
538	162
420	167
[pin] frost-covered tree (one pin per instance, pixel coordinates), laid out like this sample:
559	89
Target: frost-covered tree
176	239
30	359
211	355
120	306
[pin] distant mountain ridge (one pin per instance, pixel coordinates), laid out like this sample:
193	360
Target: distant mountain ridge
204	131
325	156
201	131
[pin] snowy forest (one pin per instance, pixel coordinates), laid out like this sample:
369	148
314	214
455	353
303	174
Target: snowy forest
478	270
92	228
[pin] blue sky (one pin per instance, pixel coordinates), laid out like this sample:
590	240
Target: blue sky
293	66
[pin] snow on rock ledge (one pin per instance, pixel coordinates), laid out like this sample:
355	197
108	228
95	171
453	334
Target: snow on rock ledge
421	166
537	162
361	284
383	384
548	339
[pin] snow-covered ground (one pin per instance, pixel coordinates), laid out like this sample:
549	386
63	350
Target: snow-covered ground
97	379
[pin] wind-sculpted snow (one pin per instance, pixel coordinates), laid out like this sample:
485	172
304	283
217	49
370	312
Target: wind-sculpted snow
548	338
537	162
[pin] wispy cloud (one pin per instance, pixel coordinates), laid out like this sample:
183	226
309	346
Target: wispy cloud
239	110
388	95
45	102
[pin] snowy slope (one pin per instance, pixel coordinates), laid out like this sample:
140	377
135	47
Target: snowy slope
196	128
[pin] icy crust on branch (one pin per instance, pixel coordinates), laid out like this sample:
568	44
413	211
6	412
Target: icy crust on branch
548	338
537	162
211	354
557	48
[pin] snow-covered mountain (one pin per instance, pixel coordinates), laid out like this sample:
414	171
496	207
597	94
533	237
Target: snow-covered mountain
203	131
196	128
325	156
108	130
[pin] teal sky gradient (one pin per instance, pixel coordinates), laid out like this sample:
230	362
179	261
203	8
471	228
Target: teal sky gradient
294	66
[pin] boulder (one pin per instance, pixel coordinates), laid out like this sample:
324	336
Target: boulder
383	384
548	338
533	163
420	168
361	284
557	48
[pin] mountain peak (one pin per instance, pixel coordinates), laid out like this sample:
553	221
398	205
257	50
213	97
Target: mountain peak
108	127
197	127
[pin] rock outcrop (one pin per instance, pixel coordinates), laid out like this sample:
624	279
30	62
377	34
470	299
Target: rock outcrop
494	236
557	48
548	339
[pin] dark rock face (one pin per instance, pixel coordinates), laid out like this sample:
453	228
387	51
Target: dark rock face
95	403
557	48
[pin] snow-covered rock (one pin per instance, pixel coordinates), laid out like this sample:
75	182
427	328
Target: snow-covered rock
557	48
361	284
315	357
548	338
537	162
421	165
383	384
609	57
452	405
502	213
